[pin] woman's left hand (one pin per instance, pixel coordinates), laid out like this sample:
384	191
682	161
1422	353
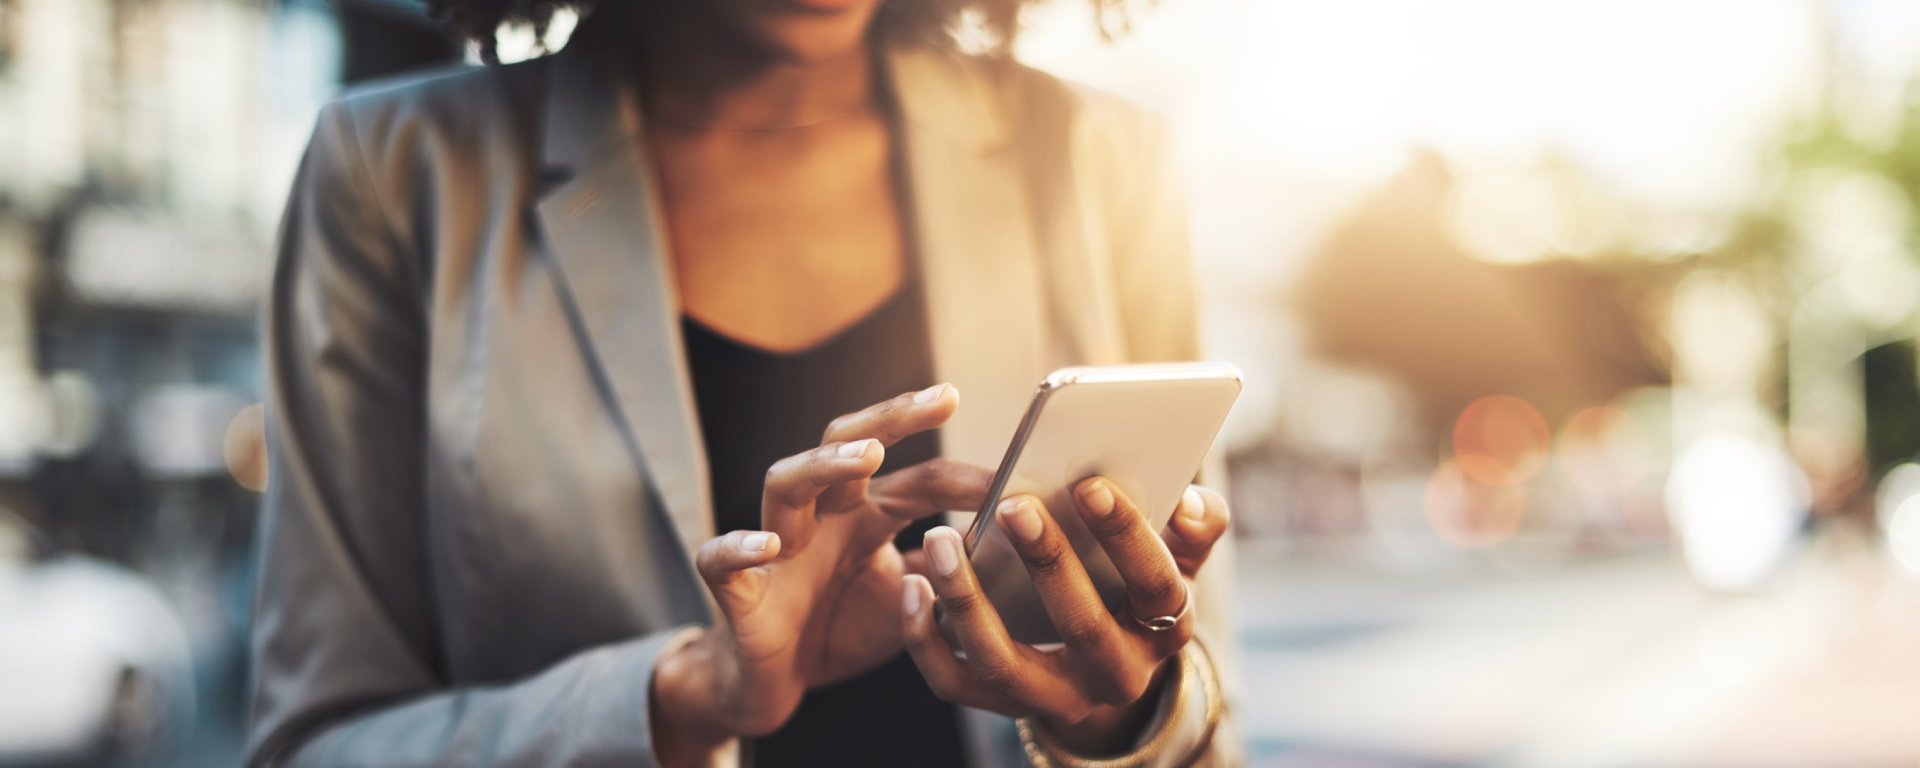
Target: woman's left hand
1093	693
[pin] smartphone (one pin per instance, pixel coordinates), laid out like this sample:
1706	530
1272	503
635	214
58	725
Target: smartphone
1146	428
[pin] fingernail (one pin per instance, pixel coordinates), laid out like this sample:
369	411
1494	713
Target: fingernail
1192	507
929	394
756	542
855	449
1019	518
1098	498
943	548
910	597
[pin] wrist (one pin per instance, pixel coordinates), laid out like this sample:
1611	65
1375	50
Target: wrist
1188	708
1113	729
682	713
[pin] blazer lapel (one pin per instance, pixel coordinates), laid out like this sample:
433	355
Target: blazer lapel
604	232
983	280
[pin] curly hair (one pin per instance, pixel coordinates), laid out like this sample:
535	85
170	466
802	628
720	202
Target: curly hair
933	21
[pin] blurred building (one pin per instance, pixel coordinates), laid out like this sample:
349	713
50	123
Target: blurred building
148	148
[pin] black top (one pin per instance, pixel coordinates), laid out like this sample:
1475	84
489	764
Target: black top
757	407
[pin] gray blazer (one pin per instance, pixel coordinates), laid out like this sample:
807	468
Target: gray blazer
487	473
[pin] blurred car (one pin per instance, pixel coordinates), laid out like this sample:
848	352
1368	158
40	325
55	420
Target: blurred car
94	664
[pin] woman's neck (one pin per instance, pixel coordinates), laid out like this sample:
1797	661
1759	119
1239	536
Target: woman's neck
694	73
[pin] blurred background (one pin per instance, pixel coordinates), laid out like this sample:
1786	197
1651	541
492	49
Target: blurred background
1584	403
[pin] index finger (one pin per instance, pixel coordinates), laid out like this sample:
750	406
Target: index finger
889	422
794	483
895	418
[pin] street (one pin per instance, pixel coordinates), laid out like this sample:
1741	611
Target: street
1616	661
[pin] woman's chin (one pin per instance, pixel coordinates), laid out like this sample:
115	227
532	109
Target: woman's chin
805	31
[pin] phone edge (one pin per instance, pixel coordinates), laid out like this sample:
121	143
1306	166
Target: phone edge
984	518
1054	382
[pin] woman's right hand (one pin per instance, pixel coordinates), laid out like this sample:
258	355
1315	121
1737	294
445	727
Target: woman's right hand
814	597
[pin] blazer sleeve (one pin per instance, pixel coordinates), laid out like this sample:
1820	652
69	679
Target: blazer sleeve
346	668
1160	318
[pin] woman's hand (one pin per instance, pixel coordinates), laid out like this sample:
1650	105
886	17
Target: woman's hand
812	598
1093	693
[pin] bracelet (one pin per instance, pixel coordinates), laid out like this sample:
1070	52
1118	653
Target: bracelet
1195	664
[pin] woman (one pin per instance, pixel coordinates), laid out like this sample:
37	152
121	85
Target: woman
527	357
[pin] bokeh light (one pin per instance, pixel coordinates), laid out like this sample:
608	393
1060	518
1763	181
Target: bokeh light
1468	513
1604	451
245	448
1737	503
1903	534
180	430
1897	503
74	414
1501	440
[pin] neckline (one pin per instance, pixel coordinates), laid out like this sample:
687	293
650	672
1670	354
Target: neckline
891	304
